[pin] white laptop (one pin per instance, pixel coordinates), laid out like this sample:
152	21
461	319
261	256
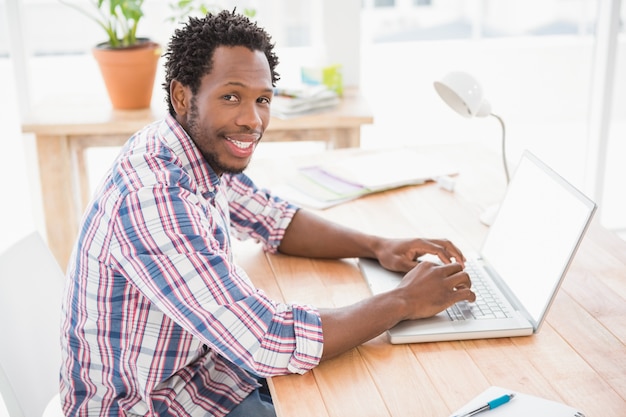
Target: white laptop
528	249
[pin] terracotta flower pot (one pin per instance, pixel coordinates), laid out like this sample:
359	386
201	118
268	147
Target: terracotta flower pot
129	73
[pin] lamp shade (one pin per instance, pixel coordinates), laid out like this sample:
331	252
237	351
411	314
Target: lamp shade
464	94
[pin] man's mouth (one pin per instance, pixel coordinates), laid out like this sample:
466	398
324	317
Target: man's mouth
240	144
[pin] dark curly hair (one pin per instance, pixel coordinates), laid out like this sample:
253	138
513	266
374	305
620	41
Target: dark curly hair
189	55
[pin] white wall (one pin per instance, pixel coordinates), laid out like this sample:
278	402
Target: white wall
540	87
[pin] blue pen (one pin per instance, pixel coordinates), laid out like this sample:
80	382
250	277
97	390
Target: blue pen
490	405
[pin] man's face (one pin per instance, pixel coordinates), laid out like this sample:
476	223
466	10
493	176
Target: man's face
231	110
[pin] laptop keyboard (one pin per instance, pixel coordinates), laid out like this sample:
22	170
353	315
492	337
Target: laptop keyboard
486	306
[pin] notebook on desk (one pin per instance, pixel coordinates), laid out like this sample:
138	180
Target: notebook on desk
523	260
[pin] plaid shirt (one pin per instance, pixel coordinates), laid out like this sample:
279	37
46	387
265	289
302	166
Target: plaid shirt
157	318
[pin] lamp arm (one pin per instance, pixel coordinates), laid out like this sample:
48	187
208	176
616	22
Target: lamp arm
504	161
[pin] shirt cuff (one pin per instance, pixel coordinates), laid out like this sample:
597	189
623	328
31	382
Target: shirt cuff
309	340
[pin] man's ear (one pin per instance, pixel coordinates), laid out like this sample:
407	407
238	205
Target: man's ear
180	97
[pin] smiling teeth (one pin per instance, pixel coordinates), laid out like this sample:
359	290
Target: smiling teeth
241	145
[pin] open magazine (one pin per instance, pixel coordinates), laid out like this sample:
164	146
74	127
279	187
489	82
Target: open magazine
356	175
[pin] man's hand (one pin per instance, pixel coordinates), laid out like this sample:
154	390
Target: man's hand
401	254
428	289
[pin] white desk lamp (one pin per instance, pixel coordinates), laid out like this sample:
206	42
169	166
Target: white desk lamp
464	94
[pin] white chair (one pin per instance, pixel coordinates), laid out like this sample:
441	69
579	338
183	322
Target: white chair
31	283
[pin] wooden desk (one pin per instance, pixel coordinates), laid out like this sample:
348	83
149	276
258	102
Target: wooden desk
579	356
63	131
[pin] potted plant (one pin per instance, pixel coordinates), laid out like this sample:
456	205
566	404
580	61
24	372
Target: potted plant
128	64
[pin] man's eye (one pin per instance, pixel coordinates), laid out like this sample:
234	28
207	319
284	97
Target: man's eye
230	97
264	100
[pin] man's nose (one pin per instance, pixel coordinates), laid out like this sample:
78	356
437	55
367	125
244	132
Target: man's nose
250	116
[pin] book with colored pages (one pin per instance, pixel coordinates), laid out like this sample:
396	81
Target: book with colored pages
354	175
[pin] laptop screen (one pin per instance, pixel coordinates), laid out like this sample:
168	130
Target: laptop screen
535	234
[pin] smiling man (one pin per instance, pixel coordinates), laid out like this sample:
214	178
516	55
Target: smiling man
158	319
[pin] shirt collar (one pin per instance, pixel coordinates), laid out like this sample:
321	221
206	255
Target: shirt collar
192	160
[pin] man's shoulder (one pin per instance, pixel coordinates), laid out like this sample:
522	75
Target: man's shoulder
145	162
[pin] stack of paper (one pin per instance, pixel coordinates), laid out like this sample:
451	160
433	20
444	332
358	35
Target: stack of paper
522	405
352	176
297	101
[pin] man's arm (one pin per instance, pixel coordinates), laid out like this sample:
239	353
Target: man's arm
314	237
424	291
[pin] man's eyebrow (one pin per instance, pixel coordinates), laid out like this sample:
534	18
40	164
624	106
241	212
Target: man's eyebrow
240	84
235	83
